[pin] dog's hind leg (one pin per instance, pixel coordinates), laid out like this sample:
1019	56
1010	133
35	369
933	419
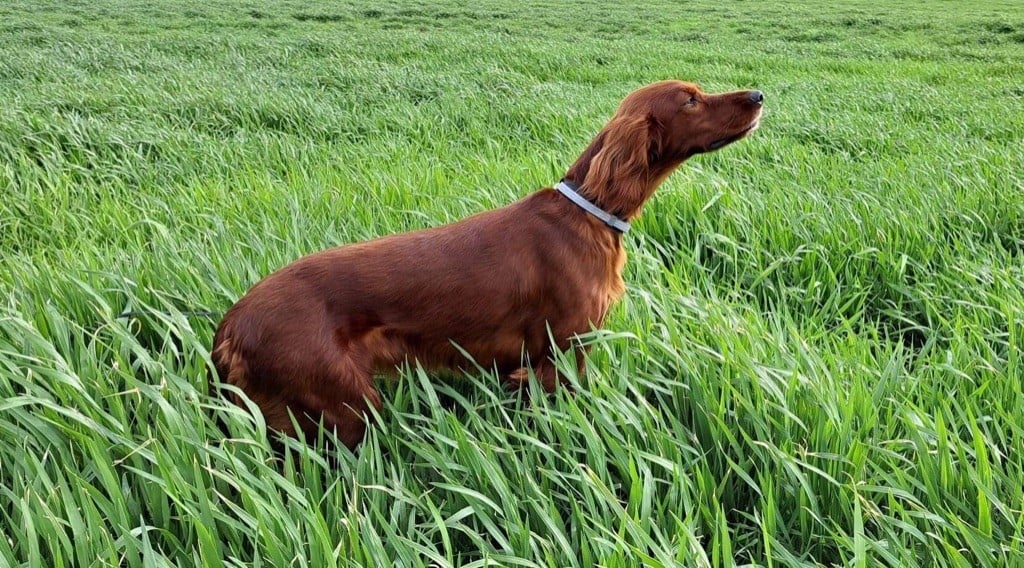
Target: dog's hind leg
342	401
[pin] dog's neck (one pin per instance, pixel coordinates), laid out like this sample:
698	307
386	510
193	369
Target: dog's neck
571	191
622	197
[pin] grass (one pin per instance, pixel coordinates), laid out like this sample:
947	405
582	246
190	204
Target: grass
818	362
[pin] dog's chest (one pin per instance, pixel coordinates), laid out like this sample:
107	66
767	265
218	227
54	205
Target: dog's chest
610	287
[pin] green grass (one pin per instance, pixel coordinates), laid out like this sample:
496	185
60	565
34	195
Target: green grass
818	361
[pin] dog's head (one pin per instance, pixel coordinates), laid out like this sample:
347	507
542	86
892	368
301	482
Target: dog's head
679	120
654	130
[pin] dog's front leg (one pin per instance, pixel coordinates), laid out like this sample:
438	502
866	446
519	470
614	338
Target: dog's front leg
546	373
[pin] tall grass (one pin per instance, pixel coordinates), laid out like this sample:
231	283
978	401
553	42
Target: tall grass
818	361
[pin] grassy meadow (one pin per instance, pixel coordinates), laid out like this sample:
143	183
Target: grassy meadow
818	361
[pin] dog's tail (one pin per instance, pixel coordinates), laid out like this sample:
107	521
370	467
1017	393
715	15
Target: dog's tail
228	361
230	368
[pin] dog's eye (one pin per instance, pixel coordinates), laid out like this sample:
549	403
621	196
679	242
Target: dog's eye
691	102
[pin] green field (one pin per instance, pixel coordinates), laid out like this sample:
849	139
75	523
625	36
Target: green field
818	361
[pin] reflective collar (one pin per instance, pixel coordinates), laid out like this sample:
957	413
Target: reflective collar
568	189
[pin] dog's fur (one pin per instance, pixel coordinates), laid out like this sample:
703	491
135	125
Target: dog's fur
309	337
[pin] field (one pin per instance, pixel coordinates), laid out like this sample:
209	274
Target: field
817	363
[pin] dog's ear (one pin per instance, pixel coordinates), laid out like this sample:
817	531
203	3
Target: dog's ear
625	148
617	173
655	140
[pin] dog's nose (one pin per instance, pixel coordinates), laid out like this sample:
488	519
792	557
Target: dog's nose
757	97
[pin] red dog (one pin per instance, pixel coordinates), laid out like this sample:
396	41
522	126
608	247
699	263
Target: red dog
309	337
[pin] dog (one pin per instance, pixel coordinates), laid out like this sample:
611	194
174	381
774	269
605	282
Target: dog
508	286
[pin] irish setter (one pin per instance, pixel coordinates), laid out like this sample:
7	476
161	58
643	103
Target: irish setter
309	337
